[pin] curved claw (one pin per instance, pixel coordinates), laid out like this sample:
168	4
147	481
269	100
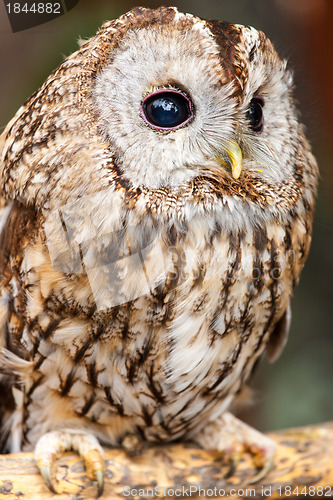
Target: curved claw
263	471
232	469
95	467
99	476
45	471
48	448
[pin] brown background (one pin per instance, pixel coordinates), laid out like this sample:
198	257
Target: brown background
297	389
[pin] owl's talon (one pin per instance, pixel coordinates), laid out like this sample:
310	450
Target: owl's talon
95	468
52	444
45	471
232	469
99	477
263	471
232	456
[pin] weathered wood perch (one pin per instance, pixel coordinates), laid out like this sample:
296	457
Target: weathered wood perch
304	459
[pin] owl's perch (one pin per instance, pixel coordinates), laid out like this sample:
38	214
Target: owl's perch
304	459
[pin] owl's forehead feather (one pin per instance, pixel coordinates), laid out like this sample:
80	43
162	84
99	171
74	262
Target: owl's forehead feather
236	45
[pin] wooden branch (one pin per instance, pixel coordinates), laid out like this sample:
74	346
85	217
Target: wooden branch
304	459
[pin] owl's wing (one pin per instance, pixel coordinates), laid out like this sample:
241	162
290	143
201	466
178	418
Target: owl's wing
13	371
279	336
13	366
7	378
7	405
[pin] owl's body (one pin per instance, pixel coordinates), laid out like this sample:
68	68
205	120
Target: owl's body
141	276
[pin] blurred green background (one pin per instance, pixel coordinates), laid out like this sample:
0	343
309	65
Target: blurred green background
296	390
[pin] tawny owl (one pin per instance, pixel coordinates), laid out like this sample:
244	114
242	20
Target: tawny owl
157	203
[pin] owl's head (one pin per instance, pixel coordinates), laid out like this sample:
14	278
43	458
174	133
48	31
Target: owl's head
159	99
179	96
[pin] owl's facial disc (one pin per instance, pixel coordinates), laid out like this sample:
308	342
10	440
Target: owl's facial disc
173	105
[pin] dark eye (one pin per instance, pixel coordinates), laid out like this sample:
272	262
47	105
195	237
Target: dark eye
166	109
255	114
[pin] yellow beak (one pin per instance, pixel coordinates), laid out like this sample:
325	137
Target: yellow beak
235	158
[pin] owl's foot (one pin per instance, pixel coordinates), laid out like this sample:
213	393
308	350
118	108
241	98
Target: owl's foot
232	438
53	444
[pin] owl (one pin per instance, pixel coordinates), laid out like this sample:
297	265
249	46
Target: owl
157	196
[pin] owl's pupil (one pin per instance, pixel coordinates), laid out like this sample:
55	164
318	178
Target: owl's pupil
255	114
166	110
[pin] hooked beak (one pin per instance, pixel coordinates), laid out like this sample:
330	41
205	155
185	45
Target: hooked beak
234	158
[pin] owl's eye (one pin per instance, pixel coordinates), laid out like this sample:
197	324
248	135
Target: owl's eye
166	109
255	114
